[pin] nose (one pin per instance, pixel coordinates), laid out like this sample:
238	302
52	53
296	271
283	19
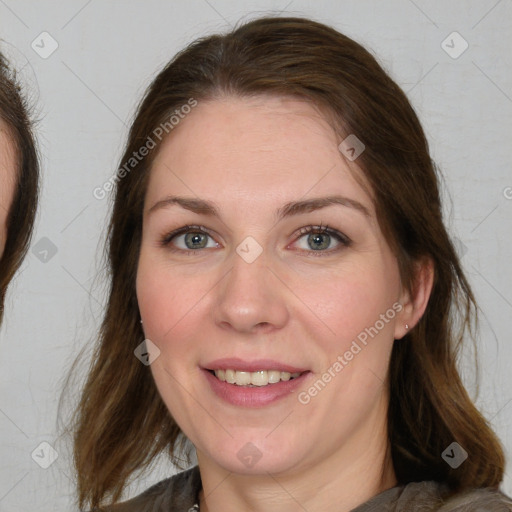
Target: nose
251	298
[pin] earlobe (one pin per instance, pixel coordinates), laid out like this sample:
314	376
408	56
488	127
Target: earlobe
403	322
415	302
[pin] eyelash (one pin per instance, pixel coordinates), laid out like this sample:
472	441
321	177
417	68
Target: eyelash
344	241
166	239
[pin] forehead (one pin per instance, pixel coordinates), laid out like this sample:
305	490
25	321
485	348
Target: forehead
255	149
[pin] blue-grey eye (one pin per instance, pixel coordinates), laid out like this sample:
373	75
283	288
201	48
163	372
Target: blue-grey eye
319	241
196	240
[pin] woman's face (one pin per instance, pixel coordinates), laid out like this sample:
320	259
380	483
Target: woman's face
249	291
7	181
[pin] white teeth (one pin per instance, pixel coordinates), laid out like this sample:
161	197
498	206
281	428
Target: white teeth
274	376
259	378
242	378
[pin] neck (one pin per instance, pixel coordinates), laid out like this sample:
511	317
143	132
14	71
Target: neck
338	482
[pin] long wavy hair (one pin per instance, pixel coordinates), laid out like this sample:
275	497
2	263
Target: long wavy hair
15	115
121	423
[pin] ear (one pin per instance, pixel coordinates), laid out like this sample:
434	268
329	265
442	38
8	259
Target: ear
415	302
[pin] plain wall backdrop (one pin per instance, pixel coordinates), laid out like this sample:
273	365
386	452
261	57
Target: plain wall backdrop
86	65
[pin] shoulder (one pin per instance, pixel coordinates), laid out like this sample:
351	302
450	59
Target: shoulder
177	493
478	500
433	496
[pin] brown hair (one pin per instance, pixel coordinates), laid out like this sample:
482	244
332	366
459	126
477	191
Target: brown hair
14	114
121	423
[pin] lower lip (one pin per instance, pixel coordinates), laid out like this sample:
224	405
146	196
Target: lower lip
257	396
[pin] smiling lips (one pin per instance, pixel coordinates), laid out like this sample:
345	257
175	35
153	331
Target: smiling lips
255	373
271	385
259	378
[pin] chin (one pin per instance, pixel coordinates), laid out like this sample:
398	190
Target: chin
253	455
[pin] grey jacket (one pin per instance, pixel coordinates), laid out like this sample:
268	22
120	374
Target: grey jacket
179	493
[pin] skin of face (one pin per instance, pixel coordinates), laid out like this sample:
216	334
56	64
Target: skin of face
7	181
293	304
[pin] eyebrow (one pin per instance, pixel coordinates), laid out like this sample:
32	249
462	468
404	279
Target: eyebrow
203	207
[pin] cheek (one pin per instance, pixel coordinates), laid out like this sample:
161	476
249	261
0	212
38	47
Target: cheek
166	303
170	302
154	297
348	302
358	307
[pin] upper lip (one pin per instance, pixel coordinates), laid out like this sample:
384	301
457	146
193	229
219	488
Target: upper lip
234	363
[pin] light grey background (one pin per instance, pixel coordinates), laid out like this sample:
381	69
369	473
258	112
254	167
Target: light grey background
87	90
